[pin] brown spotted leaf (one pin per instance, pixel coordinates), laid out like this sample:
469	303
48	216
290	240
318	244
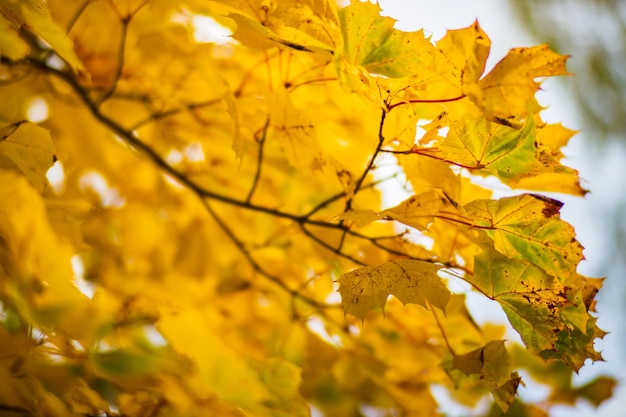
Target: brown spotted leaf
529	227
538	306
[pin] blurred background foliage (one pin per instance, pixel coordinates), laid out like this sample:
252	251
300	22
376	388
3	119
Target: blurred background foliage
594	33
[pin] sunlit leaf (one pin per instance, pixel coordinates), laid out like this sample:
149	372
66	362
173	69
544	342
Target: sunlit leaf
487	147
529	227
35	16
27	149
508	90
36	277
295	130
410	281
371	41
536	305
419	210
547	173
11	45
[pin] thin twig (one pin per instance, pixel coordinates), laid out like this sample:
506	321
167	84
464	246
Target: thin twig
370	164
417	101
336	251
255	265
81	9
259	163
359	182
424	152
325	203
189	107
441	329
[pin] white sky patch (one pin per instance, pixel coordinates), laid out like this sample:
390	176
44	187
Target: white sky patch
172	181
208	30
37	110
109	196
55	62
317	326
174	157
56	177
334	297
193	152
84	286
204	29
154	336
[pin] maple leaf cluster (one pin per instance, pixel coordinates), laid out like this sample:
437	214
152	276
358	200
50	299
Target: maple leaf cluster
195	228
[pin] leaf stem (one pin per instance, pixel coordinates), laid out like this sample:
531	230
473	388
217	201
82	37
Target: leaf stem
417	101
370	164
441	329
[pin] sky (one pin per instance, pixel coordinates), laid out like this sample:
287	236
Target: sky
605	180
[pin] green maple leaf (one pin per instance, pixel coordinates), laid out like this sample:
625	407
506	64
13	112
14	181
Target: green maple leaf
370	40
529	227
487	148
537	305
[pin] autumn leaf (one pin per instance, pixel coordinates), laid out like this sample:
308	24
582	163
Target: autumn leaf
35	16
411	281
535	304
493	364
448	72
467	49
488	148
547	173
306	25
295	130
373	46
35	279
419	210
11	45
283	379
529	227
27	149
254	34
508	90
371	41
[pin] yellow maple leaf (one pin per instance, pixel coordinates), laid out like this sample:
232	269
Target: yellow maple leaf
294	129
11	45
36	278
419	210
35	16
411	281
27	149
508	90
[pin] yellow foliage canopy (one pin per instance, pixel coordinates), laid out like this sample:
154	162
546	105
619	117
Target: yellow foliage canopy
193	226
